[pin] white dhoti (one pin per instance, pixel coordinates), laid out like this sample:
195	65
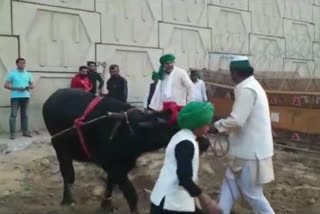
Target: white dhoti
251	189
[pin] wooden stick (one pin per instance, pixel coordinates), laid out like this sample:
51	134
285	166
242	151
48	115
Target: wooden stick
297	149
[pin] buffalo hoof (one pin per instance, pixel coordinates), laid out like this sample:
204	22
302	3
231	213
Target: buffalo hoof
108	206
68	202
67	199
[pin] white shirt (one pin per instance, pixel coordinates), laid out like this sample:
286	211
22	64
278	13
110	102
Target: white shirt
240	112
163	88
251	137
175	87
199	93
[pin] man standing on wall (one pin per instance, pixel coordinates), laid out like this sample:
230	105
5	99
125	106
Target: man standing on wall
94	76
174	85
199	88
251	143
117	85
81	80
19	82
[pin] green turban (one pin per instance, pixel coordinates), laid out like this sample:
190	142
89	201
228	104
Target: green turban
240	63
195	115
164	59
155	76
167	58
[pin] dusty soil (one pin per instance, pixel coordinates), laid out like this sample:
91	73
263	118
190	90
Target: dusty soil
30	182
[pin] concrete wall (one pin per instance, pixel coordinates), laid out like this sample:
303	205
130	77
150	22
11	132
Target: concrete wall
56	36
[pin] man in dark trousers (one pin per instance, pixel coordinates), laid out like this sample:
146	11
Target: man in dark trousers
19	82
94	76
152	88
117	85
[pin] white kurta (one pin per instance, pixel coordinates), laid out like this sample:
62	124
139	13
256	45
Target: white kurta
199	91
175	87
245	101
166	97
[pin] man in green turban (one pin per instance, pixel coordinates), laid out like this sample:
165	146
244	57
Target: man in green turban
174	85
251	144
167	62
176	190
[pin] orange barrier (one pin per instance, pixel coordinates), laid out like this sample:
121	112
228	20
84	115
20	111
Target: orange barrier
294	103
294	119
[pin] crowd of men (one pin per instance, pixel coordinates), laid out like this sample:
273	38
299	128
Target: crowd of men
248	127
19	81
88	77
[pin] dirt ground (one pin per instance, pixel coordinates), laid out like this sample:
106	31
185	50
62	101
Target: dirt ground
30	182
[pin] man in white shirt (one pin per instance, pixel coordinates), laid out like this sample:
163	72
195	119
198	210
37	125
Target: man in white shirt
199	88
251	143
174	85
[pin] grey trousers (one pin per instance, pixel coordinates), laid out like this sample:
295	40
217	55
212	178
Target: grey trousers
16	104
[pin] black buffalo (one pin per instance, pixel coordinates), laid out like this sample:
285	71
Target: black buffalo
117	156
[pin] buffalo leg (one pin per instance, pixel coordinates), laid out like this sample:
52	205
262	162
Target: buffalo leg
106	203
67	172
129	193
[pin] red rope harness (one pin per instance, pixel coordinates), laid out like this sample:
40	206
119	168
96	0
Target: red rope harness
79	122
174	108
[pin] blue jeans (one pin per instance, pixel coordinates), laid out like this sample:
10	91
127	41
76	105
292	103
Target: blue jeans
17	103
